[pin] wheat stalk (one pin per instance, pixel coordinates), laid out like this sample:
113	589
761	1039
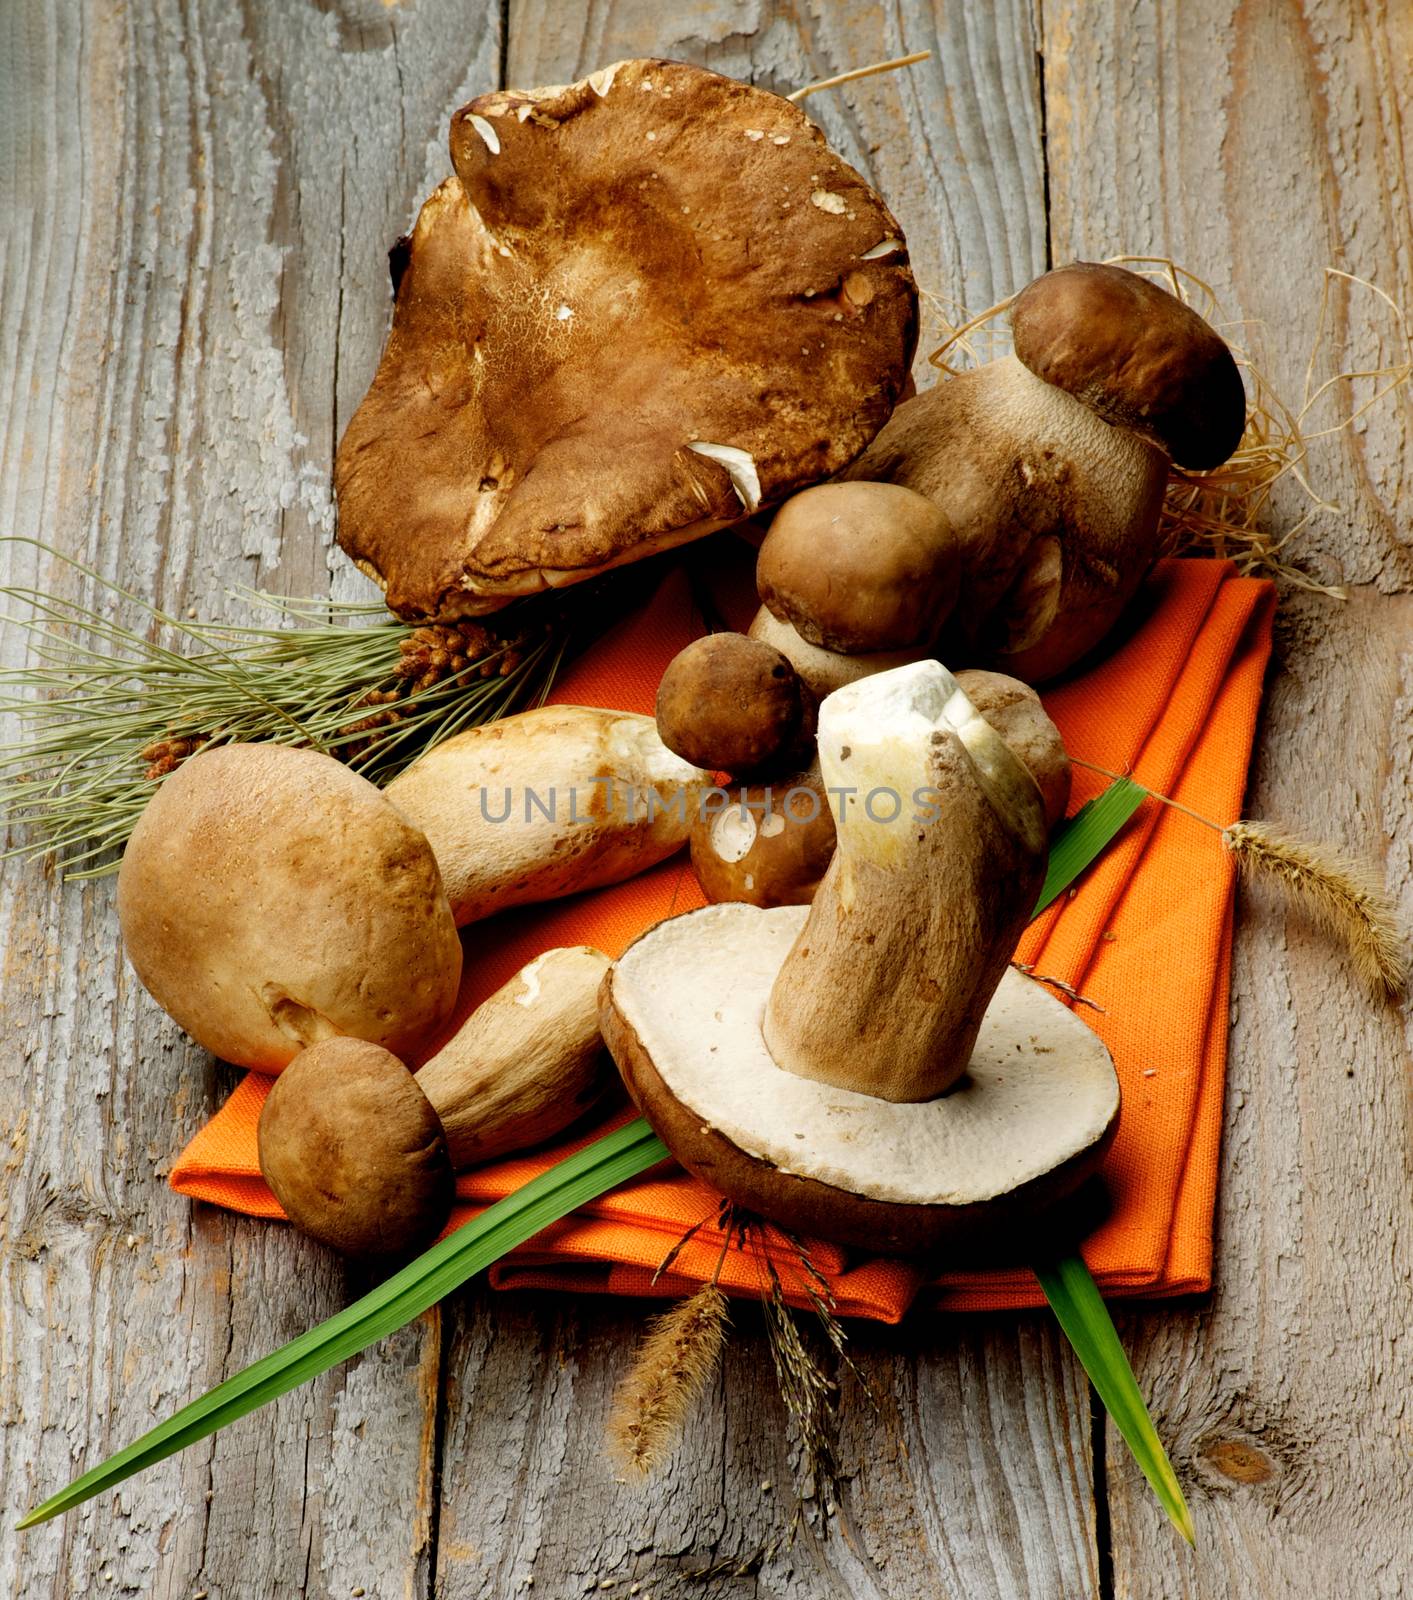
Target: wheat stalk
672	1367
1340	895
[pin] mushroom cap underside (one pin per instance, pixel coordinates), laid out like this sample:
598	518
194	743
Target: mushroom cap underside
646	305
681	1012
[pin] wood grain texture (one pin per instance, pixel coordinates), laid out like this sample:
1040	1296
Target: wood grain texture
197	200
1256	147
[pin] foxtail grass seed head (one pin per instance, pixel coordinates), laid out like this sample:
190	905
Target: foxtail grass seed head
673	1366
1341	896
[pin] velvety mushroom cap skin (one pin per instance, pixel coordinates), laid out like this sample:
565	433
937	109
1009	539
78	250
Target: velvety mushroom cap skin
860	567
1136	355
646	305
681	1012
770	845
733	704
270	897
354	1152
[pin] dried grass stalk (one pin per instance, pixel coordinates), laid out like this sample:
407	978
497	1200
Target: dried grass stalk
1341	896
673	1366
1227	512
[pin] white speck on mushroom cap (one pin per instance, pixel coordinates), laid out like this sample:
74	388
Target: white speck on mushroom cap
564	313
772	825
733	833
755	133
694	991
884	247
740	464
832	203
487	132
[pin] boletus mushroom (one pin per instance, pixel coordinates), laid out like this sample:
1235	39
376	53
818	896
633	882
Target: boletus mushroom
823	671
1051	464
766	843
732	704
859	567
869	1068
547	803
362	1154
646	305
270	898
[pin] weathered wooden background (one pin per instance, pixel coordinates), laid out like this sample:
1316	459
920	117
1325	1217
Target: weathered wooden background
197	200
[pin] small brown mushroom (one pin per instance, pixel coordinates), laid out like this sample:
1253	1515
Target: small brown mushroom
270	897
768	844
823	671
1013	708
870	1068
361	1153
859	567
1051	464
732	704
647	304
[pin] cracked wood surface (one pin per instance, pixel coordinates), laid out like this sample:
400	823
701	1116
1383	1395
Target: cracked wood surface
197	202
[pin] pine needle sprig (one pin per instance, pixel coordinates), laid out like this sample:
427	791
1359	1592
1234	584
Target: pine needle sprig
670	1372
117	693
1340	895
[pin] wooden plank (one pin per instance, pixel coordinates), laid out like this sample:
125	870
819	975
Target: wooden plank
992	1496
1256	146
195	291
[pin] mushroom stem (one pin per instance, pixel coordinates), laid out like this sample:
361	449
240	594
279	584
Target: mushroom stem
526	1063
941	853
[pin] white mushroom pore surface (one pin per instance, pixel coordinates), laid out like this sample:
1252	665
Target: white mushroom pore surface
1040	1087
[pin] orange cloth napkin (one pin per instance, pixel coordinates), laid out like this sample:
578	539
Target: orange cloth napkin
1146	935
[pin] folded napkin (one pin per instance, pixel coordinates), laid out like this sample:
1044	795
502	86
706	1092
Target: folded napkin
1146	935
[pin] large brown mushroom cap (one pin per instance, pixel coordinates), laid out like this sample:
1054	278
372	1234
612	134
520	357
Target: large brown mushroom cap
681	1012
732	704
647	304
1136	355
270	897
860	567
354	1151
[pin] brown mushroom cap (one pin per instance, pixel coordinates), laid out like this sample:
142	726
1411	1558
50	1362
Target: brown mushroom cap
860	567
270	897
770	846
1013	708
681	1012
646	304
1056	512
1136	355
354	1152
733	704
823	671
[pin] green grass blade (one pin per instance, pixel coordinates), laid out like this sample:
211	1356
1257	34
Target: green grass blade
1078	1306
1084	837
593	1171
605	1164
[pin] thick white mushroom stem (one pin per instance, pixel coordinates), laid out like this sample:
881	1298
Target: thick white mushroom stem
526	1063
941	853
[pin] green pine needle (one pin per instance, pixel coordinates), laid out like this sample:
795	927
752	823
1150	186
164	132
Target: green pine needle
1074	1298
594	1171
